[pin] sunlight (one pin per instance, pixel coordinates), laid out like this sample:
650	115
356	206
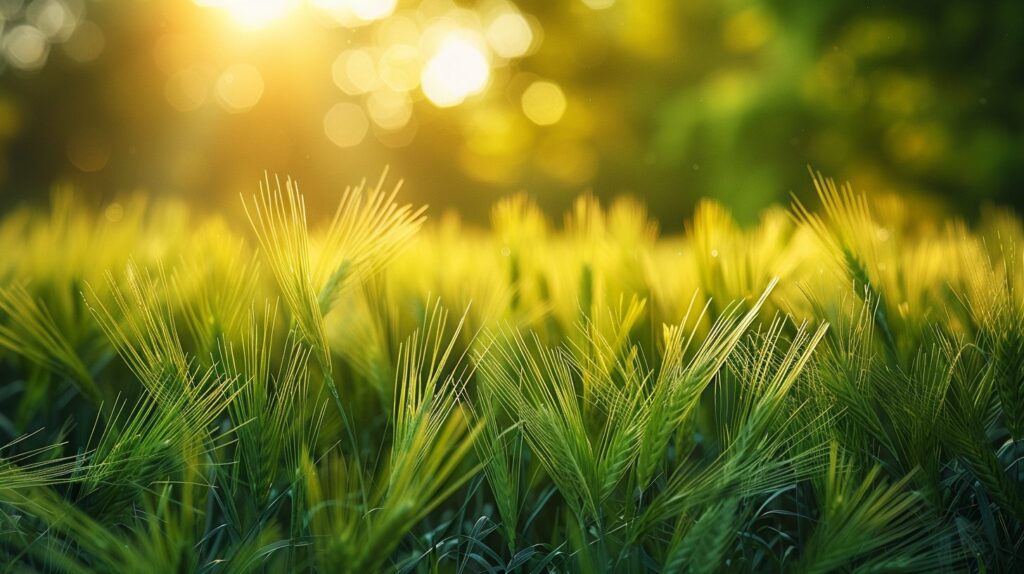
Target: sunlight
457	70
252	14
353	13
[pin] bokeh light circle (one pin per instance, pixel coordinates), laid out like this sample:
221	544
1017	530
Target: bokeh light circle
457	70
355	72
26	47
346	124
186	90
239	88
509	35
544	103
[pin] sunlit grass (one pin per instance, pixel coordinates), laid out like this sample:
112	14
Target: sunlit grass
837	388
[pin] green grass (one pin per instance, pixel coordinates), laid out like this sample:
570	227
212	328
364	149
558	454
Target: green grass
839	388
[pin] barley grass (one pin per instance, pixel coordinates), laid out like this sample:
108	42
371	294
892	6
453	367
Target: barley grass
838	388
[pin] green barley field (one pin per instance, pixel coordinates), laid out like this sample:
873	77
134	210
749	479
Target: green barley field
511	287
837	388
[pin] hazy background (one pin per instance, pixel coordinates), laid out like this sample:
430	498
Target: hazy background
666	100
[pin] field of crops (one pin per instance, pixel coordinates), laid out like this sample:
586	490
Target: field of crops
838	388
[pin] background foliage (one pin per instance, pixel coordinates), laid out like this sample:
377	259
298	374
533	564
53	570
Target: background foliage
668	101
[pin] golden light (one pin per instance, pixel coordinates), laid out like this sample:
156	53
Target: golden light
355	72
345	124
509	35
397	29
186	89
498	132
567	160
400	67
239	88
352	13
369	10
53	18
599	4
252	14
457	70
86	44
389	109
26	47
544	103
172	52
439	50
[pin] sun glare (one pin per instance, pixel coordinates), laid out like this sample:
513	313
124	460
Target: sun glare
252	14
457	70
437	53
353	13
